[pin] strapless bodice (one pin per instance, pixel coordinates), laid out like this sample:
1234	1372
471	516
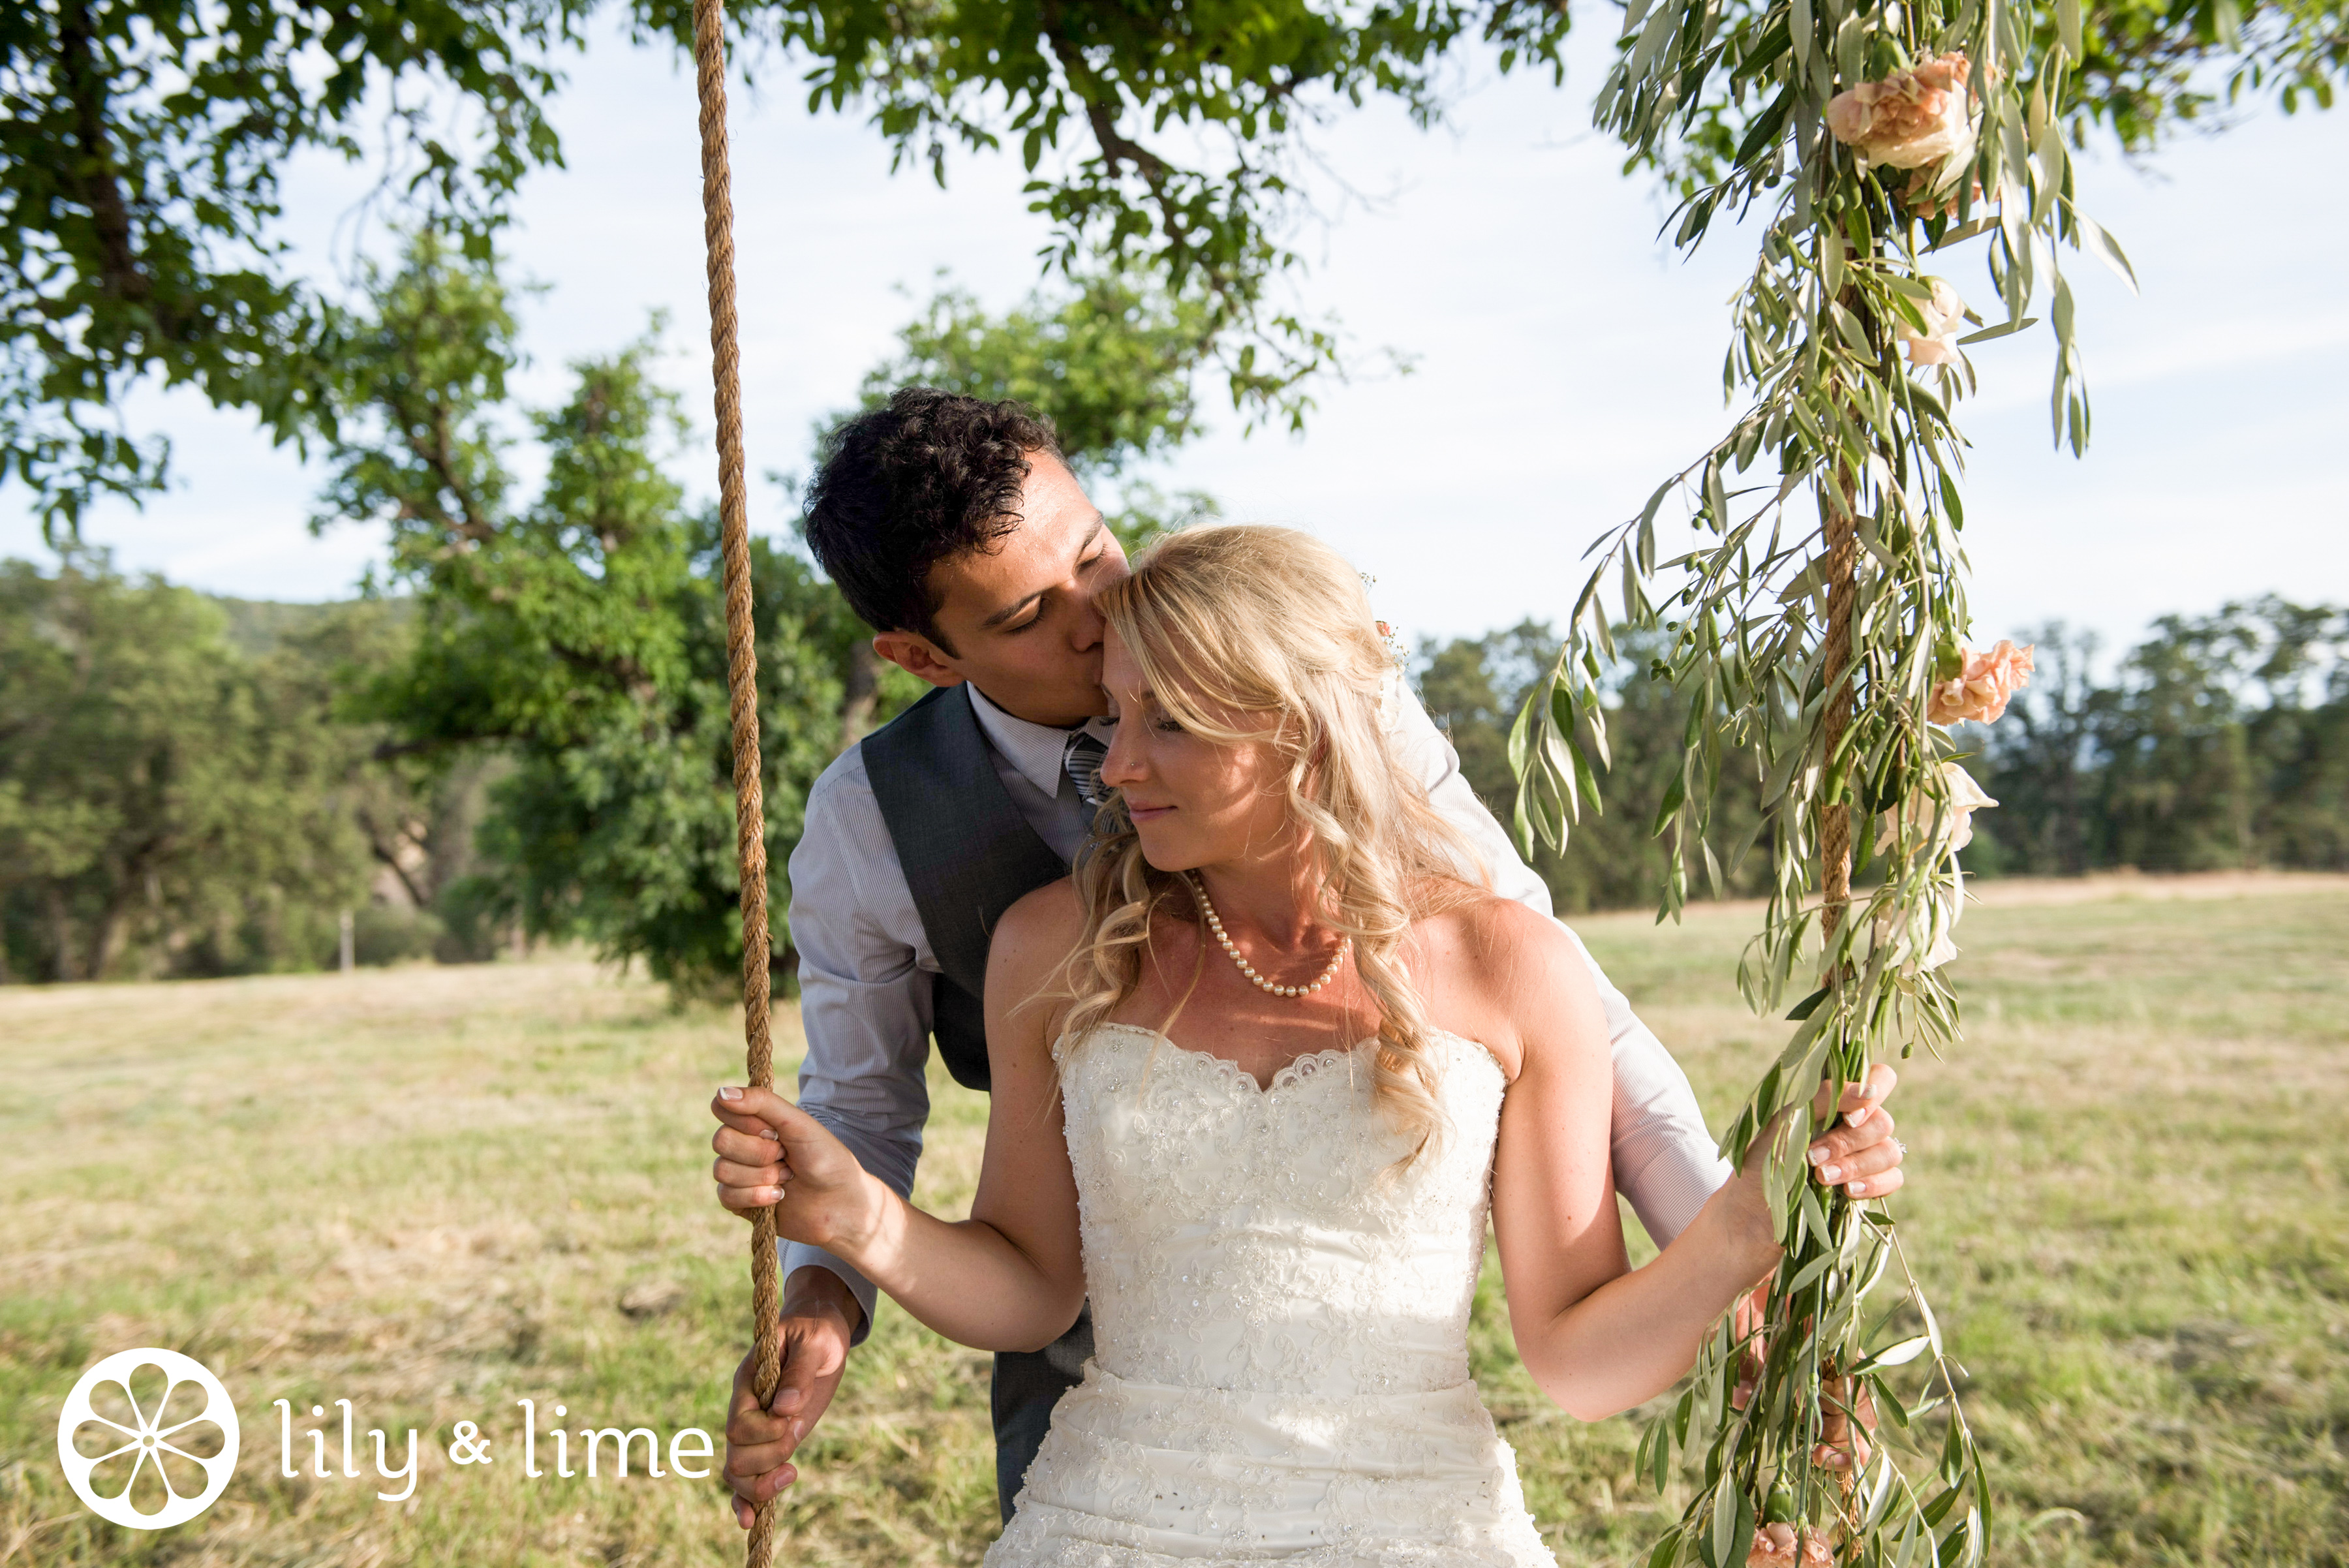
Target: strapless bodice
1246	1238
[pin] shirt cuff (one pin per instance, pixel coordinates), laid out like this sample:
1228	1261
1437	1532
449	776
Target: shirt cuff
797	1255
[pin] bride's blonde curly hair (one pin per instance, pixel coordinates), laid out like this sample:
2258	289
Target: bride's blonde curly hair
1272	622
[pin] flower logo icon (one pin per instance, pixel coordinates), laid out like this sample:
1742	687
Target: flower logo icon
191	1448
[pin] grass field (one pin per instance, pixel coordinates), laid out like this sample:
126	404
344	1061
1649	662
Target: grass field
437	1191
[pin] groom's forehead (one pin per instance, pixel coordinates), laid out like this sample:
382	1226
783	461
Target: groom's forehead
1038	546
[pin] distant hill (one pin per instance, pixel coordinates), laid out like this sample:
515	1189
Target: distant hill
258	626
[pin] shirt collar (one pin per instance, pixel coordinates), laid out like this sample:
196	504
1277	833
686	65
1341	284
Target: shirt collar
1035	750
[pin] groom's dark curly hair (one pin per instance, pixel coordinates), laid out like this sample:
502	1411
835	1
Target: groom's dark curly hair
925	477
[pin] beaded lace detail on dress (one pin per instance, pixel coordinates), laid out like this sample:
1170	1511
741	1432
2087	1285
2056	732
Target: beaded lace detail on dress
1281	1368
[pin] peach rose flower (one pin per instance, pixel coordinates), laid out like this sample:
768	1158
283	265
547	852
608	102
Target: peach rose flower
1911	118
1943	314
1982	686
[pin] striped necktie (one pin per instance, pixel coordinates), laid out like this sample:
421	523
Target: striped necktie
1080	759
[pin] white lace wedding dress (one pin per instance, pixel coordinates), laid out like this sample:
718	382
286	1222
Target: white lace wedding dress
1280	1370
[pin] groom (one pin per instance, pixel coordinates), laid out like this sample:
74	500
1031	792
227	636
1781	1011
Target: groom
953	526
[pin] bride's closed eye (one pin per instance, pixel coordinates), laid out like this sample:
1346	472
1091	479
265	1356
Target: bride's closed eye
1164	724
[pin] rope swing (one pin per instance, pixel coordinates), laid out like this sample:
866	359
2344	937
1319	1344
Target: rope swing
741	678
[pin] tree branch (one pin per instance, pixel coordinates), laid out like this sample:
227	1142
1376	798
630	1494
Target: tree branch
94	180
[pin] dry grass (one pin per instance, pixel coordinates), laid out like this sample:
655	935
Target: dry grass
429	1191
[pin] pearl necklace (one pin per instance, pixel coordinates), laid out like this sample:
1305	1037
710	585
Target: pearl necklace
1216	924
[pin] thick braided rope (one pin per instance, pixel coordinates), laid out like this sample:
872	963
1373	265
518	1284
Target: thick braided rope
1843	592
741	674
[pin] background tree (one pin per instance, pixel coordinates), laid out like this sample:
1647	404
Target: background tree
577	637
165	803
417	812
1475	689
2222	742
2041	768
140	151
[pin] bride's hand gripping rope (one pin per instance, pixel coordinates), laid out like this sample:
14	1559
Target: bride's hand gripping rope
1860	1155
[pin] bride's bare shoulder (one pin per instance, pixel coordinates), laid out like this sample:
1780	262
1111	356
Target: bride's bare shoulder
1508	971
1482	929
1041	927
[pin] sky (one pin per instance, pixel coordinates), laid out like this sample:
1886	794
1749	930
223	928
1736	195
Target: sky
1565	359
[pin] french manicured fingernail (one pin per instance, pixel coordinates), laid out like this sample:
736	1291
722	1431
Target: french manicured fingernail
1853	1118
729	1092
1818	1154
1829	1173
1856	1188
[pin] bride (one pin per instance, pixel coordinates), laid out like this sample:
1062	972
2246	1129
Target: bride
1261	1070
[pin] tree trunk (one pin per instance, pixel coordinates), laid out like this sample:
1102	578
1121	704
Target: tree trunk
861	694
60	932
107	940
386	854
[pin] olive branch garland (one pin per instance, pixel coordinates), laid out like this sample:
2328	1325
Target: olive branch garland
1814	645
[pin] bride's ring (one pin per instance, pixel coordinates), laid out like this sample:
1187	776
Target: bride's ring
1902	1147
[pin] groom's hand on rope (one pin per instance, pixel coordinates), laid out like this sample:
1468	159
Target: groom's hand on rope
772	1155
819	1317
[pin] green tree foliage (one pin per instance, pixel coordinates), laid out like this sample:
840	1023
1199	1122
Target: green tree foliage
2223	743
167	803
1473	688
1114	362
416	812
142	141
140	151
579	636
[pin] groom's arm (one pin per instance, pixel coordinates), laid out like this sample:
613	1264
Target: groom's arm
1666	1163
864	1003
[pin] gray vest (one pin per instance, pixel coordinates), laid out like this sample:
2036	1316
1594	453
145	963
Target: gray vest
968	855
